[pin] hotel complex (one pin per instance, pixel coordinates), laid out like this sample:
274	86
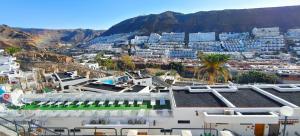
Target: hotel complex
182	109
135	102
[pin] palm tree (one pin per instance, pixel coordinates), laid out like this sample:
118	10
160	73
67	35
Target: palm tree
213	66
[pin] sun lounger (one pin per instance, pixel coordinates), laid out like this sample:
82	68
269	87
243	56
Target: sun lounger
101	102
111	102
140	102
121	102
131	102
58	103
41	103
68	103
152	102
90	103
79	103
50	103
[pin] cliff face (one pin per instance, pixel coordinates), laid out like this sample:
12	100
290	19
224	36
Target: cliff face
34	56
241	20
51	37
10	37
30	38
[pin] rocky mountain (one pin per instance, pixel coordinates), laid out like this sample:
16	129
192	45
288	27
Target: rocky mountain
31	38
219	21
10	37
50	37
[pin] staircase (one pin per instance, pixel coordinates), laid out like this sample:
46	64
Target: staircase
159	82
13	128
6	132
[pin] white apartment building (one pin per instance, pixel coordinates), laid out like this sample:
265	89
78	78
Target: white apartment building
149	53
266	32
9	69
200	110
233	45
274	43
293	36
94	66
154	38
202	37
233	36
293	33
205	46
268	39
165	46
139	40
172	37
182	54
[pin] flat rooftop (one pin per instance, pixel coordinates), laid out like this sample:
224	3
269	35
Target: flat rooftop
71	79
293	97
96	106
250	98
186	84
135	88
104	87
184	98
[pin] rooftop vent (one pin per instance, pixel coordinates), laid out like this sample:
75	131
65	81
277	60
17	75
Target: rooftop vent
228	112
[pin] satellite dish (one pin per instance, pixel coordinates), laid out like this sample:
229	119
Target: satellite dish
286	111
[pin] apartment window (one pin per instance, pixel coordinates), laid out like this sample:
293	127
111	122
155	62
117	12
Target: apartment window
66	87
183	121
75	130
59	130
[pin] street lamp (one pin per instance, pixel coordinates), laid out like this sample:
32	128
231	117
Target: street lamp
286	111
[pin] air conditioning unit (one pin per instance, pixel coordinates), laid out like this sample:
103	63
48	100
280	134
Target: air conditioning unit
228	112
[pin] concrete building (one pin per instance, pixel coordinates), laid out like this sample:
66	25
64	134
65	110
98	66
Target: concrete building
154	38
182	54
233	45
293	33
260	110
202	37
9	69
233	36
139	40
172	37
205	46
266	32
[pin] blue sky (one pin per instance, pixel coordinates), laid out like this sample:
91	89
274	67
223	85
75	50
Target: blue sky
102	14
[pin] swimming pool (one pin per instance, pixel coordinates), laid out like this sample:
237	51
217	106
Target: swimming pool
1	91
108	81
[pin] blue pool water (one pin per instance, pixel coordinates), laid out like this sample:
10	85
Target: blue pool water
108	81
1	91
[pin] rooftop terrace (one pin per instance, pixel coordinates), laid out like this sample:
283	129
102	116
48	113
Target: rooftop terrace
250	98
104	87
293	97
98	105
184	98
135	88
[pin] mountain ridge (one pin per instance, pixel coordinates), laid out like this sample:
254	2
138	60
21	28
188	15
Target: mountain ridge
228	20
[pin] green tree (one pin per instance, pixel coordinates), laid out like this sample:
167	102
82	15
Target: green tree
213	66
256	77
178	66
12	50
127	62
109	64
